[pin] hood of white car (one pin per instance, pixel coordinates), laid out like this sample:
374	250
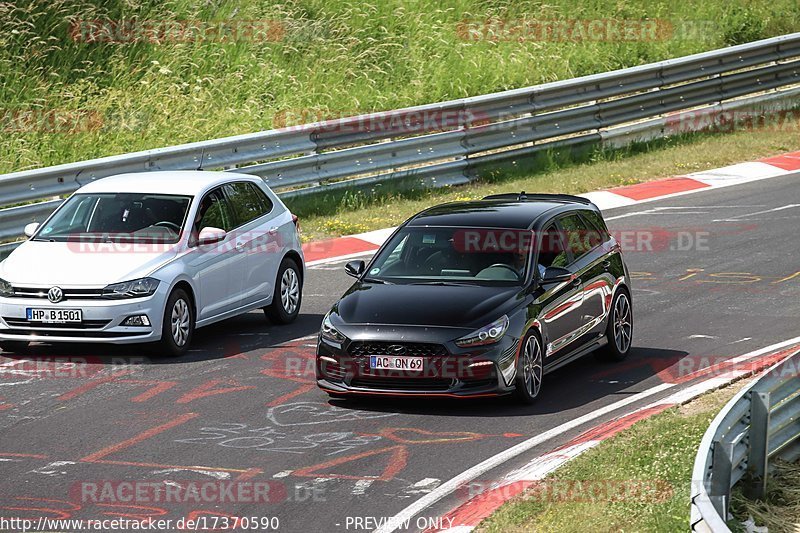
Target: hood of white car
36	263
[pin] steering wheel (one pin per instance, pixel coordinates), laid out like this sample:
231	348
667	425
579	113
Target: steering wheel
503	265
171	225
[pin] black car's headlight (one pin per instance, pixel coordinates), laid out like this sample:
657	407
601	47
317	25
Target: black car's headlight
137	288
5	288
330	332
488	334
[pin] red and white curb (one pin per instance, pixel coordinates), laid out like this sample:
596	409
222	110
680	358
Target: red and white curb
341	248
469	514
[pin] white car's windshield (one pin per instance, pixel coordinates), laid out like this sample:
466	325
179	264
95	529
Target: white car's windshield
454	255
118	217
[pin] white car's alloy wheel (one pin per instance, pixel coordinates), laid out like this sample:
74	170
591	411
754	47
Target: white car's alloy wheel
290	291
181	322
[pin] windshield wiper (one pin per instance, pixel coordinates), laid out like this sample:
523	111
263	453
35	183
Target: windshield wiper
376	280
445	283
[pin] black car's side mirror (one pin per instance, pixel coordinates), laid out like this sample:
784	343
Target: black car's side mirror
355	268
556	275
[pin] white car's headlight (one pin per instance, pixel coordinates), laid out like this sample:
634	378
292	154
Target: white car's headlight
329	332
488	334
5	288
137	288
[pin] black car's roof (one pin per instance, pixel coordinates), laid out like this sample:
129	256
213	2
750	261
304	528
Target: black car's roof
495	212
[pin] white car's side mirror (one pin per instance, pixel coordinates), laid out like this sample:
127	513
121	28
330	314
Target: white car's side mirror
211	235
30	229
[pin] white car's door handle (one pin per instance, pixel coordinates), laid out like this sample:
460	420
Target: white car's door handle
273	230
240	246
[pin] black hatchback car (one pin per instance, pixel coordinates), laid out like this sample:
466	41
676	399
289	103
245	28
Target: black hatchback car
479	298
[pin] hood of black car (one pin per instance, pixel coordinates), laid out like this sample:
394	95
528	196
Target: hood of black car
468	306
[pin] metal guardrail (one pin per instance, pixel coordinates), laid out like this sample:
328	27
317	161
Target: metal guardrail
759	424
451	142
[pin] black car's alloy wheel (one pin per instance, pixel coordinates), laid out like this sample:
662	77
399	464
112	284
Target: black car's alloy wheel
530	369
619	331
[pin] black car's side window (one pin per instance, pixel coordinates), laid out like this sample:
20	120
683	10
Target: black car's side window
552	250
247	201
580	239
596	223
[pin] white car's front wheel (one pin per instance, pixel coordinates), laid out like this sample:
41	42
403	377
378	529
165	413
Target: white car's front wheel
288	294
178	325
13	346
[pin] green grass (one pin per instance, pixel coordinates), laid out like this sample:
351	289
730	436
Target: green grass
656	452
336	57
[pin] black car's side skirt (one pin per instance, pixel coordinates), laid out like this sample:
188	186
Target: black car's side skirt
577	354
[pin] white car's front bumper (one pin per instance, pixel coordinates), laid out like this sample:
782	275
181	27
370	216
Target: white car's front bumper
102	320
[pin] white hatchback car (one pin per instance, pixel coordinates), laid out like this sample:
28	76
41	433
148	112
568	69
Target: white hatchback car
149	257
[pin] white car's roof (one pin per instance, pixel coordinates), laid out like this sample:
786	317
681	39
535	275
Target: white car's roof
187	182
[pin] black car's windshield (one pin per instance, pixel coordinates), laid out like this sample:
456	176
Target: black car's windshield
118	217
453	256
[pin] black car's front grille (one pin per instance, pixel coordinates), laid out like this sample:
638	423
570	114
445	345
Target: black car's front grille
410	349
86	324
402	384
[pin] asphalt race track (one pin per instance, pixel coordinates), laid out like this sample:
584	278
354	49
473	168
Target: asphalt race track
715	276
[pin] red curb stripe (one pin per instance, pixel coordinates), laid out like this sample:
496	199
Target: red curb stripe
314	251
471	513
654	189
611	428
790	161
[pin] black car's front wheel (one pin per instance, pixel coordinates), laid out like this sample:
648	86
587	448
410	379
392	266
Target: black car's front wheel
619	331
530	369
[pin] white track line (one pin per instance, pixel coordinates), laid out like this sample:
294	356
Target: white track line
468	475
481	468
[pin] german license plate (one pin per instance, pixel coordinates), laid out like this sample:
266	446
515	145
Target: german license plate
388	362
55	316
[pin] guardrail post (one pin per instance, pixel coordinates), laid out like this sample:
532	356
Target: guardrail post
720	490
759	445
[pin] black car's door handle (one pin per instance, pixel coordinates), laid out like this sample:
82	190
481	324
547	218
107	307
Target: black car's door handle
606	264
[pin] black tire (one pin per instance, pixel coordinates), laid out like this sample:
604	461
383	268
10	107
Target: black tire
528	383
288	294
177	327
619	330
13	346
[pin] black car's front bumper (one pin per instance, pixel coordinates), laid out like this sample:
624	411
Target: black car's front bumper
447	370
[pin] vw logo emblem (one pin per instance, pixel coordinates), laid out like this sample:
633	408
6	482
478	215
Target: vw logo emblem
397	349
55	294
